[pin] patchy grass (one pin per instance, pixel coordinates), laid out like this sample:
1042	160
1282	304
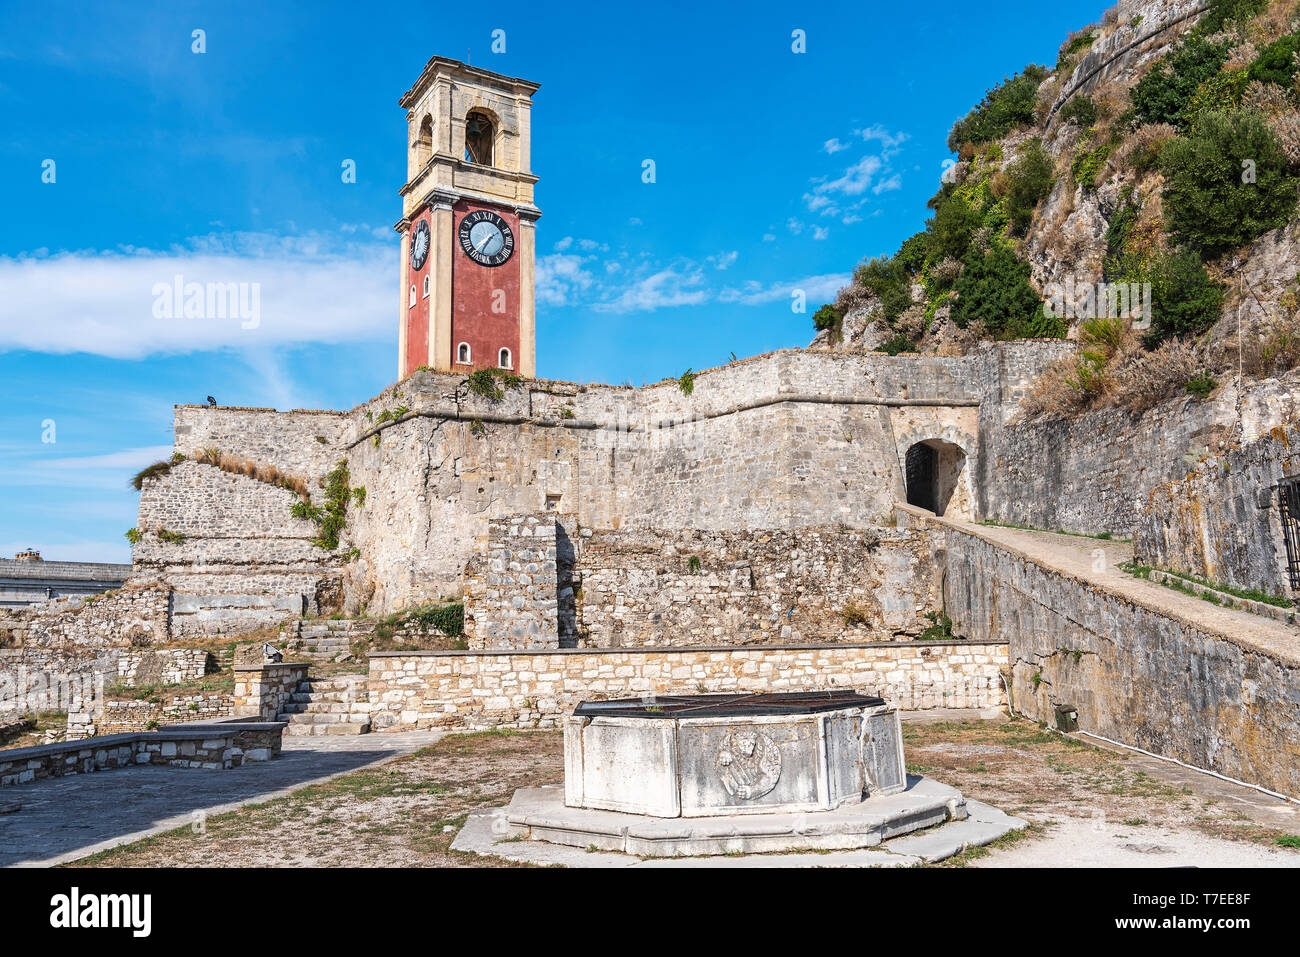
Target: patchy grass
43	721
406	812
1139	570
1010	839
1032	772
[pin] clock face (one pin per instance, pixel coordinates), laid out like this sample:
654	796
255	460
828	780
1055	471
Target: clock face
419	245
486	238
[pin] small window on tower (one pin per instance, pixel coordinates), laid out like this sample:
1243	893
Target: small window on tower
426	287
478	138
503	360
413	295
462	353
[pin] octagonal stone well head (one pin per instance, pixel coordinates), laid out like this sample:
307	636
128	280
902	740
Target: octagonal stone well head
702	755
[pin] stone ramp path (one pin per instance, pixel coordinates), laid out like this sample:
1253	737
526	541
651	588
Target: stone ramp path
1075	556
63	819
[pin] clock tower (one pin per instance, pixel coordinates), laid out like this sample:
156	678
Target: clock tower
467	223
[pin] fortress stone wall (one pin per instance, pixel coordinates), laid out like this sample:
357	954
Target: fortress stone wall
1222	521
819	583
790	453
1135	672
782	441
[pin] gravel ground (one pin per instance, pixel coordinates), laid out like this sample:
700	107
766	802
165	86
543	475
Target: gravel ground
1087	806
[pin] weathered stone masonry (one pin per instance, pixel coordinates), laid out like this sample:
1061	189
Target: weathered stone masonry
1136	674
777	442
537	690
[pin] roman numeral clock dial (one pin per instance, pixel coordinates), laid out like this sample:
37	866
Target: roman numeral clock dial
419	245
486	238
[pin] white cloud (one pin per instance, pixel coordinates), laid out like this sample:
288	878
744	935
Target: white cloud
128	459
667	287
888	185
820	232
564	244
754	293
309	288
723	260
889	142
855	180
871	173
561	277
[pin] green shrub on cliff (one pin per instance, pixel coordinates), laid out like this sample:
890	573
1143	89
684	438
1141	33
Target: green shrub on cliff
1163	94
994	289
1006	107
1027	182
1226	183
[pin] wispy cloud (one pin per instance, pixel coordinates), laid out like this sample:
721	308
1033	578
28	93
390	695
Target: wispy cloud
311	289
134	459
754	293
842	196
675	285
562	278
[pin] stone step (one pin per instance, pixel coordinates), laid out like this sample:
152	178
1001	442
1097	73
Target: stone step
326	707
317	730
318	719
333	697
335	683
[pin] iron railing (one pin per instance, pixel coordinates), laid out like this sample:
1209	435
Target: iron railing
1288	502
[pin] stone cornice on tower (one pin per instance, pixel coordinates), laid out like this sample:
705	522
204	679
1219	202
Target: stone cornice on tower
445	66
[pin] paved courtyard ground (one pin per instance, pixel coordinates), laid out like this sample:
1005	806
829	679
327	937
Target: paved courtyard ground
64	818
1087	806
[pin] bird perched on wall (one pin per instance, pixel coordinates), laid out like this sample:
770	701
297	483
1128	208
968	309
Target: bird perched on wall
212	402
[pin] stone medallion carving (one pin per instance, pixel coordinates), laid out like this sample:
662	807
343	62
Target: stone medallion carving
749	763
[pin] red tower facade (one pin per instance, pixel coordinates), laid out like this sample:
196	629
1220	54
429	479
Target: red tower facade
468	224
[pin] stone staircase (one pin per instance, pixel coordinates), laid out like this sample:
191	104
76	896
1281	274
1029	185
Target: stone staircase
337	705
324	639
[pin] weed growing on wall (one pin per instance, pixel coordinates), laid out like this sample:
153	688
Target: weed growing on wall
331	517
492	383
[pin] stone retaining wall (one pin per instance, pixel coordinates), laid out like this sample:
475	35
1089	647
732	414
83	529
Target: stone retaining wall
120	716
1222	520
511	589
1220	702
213	746
136	614
42	679
691	588
163	666
411	690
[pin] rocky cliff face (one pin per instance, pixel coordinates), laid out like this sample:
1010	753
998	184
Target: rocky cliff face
1105	210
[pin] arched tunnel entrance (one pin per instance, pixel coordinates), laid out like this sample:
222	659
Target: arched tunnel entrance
932	469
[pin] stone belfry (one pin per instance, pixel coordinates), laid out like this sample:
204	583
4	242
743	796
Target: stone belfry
467	225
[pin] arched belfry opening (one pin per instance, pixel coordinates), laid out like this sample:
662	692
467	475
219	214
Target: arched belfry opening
424	143
480	135
932	470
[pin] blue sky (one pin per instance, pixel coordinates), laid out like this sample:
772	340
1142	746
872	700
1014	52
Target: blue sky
775	171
